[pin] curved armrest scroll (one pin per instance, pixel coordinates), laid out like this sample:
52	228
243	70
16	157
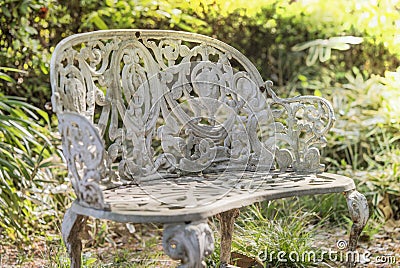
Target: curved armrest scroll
301	123
84	151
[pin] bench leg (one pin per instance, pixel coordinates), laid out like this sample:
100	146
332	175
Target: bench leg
227	222
188	242
358	207
71	229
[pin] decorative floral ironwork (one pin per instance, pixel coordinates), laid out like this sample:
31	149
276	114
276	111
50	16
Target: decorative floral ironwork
195	96
300	123
83	149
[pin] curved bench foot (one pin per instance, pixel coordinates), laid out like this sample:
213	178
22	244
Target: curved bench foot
71	229
358	208
188	242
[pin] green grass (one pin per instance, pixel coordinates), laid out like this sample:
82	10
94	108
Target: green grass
261	233
289	225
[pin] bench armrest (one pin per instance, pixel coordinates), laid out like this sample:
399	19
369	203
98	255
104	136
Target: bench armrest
300	124
85	155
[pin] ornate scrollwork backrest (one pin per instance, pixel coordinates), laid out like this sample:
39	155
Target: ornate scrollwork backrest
123	81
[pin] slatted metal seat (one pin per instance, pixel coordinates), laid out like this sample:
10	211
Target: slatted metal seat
175	127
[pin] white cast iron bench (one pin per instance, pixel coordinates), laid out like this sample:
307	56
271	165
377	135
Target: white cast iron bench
174	128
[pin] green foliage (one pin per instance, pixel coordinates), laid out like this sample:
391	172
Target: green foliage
147	14
26	203
265	31
25	161
365	143
322	49
24	45
368	120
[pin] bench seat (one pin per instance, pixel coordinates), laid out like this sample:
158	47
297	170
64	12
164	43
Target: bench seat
192	198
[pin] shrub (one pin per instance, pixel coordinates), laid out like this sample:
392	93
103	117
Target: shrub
365	142
265	32
28	192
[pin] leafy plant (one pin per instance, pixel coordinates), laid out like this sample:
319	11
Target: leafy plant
26	155
321	48
365	143
25	152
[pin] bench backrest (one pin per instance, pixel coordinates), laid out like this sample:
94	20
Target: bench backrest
162	101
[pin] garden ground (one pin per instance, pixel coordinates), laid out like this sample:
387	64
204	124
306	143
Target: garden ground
143	248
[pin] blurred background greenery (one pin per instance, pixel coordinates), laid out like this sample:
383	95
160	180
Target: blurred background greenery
348	52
